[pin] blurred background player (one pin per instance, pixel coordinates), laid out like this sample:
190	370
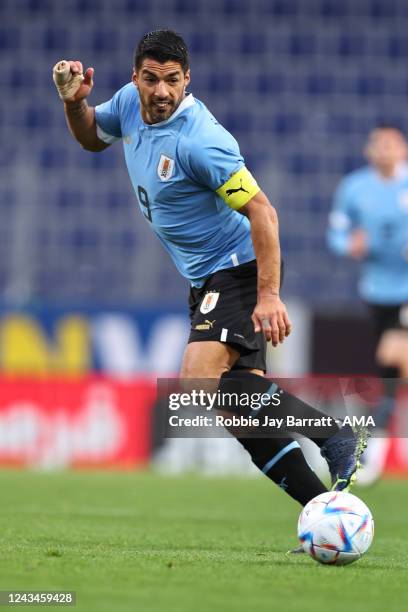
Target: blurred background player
369	223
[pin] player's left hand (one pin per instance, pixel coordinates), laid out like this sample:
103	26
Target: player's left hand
87	84
271	318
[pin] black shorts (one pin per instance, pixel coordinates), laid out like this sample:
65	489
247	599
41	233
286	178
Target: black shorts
384	319
387	317
221	310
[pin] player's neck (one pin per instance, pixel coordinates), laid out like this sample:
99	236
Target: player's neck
389	173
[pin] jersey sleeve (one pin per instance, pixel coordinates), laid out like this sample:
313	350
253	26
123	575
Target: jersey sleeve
341	219
218	165
108	127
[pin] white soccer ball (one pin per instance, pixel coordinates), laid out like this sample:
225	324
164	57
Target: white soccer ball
336	528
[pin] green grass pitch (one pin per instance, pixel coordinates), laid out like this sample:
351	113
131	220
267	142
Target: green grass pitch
145	542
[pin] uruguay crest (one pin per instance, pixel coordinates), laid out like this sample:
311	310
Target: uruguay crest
165	168
209	302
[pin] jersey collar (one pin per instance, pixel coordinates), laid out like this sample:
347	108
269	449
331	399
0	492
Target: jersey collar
401	171
186	103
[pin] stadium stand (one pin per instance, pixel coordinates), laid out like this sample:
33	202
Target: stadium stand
298	83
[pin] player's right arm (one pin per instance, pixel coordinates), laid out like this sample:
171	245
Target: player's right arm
344	237
79	116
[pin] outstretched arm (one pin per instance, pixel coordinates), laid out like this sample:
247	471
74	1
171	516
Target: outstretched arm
270	314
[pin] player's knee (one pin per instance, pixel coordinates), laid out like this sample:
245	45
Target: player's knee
195	377
206	360
192	370
245	385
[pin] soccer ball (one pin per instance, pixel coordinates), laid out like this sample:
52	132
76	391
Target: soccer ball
336	528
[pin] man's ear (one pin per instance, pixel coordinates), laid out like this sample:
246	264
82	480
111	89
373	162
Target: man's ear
135	79
187	78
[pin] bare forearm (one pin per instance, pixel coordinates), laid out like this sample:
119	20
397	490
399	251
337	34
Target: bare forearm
81	122
270	315
265	238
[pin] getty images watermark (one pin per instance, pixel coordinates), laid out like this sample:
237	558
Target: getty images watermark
200	408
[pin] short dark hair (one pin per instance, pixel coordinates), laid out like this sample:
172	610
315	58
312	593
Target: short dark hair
162	46
388	125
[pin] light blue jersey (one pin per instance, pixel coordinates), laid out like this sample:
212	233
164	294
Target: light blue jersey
175	167
380	207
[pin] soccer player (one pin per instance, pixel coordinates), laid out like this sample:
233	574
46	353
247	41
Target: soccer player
197	195
369	223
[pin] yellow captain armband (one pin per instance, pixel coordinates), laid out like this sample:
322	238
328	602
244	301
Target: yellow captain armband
239	189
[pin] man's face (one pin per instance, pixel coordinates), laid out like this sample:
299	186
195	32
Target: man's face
161	88
386	148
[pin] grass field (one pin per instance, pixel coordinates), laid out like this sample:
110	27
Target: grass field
145	542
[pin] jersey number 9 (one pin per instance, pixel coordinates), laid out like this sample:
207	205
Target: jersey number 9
144	201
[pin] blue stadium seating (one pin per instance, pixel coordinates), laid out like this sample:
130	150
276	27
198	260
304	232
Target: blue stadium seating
298	83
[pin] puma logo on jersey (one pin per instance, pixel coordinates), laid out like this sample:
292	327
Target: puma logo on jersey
231	191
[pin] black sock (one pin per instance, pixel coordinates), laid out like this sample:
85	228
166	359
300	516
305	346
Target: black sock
240	381
282	460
